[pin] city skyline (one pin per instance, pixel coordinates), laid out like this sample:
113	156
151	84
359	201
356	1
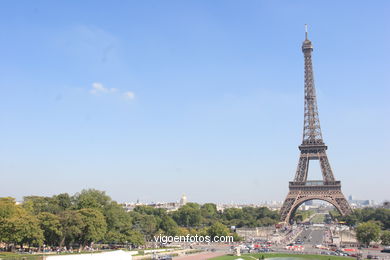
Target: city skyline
150	101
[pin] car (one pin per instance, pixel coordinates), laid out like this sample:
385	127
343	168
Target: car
264	249
164	257
386	250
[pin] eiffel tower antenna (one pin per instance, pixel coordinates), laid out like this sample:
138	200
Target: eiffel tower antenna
312	148
306	31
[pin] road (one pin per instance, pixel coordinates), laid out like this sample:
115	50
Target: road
312	236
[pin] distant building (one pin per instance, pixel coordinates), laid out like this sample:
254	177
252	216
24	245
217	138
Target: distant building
169	206
183	200
271	205
172	206
355	203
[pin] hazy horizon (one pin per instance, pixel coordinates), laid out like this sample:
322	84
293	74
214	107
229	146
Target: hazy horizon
150	101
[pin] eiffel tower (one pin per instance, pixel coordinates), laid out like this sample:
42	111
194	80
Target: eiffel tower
312	148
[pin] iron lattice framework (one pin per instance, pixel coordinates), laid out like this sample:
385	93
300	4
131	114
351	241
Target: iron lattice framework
312	148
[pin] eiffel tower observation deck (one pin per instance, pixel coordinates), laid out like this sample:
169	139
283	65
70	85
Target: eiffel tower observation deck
312	148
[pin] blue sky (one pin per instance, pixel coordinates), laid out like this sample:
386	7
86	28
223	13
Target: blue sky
152	99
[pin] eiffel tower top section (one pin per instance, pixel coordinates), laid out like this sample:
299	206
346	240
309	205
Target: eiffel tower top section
312	135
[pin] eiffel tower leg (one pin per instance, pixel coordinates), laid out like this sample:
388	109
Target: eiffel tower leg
287	207
344	206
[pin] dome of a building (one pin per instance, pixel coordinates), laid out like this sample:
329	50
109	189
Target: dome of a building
183	200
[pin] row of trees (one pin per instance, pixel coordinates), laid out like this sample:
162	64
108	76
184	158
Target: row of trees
301	215
92	216
195	215
372	224
63	220
380	215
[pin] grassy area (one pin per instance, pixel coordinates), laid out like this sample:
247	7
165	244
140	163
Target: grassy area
271	255
319	218
11	256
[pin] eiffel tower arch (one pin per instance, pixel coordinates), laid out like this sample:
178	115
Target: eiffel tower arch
312	148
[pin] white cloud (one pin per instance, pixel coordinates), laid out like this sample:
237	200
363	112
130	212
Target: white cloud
129	95
99	88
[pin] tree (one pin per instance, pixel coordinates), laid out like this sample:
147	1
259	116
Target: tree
120	224
71	226
169	226
368	214
385	238
21	228
32	234
38	204
266	221
193	205
209	210
382	215
218	229
91	198
146	224
7	207
232	213
351	220
148	210
367	232
116	216
125	236
94	227
63	200
134	238
188	216
199	231
51	226
236	237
